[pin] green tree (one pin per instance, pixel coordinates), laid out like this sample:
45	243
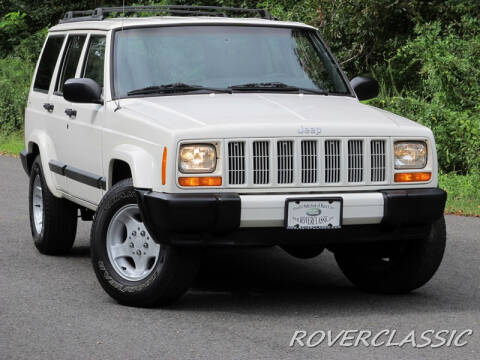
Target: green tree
13	28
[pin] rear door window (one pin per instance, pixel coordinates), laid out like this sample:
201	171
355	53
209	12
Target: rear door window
47	63
71	56
94	59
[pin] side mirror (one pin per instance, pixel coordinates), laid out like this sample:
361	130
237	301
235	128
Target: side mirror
365	87
83	90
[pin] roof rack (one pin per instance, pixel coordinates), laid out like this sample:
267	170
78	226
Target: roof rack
99	14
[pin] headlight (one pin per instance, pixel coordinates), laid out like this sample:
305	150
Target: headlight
410	155
197	158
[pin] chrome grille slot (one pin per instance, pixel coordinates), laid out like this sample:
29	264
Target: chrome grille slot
285	162
355	161
378	160
236	163
261	162
309	161
332	161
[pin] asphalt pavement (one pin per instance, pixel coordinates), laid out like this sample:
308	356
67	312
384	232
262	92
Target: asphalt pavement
245	304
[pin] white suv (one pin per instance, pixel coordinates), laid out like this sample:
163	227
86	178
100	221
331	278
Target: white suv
174	133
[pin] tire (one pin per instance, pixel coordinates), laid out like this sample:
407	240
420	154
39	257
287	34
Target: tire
141	272
53	221
303	252
395	268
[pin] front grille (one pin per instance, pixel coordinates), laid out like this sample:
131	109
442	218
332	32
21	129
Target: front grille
378	168
309	161
261	162
285	162
332	161
355	161
306	162
236	163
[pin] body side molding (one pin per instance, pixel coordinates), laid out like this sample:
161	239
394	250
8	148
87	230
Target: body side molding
79	175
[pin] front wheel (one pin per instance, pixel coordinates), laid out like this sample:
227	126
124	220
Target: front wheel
131	267
395	268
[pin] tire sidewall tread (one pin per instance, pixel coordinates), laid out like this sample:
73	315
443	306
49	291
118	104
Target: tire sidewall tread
420	261
59	218
173	273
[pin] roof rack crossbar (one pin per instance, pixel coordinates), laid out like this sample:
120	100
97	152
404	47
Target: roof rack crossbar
99	14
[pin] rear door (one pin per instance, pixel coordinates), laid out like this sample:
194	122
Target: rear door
39	112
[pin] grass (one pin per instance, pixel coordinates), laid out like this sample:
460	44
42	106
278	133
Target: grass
463	193
11	144
463	190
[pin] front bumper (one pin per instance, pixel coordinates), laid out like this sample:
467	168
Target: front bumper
227	218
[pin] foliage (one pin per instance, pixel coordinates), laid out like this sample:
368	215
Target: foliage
29	48
13	27
456	132
425	54
11	144
434	78
463	193
44	13
441	65
15	79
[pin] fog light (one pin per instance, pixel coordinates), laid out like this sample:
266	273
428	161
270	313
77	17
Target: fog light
413	177
200	181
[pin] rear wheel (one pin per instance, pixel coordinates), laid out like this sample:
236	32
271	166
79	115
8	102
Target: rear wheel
53	221
398	267
131	267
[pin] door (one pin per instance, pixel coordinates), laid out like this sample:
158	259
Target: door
84	132
67	69
40	107
80	150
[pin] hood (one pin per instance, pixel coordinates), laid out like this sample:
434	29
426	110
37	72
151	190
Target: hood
268	115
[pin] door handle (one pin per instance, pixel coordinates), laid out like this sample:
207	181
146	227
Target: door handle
71	112
48	107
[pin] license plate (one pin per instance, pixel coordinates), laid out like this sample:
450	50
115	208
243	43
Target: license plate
308	214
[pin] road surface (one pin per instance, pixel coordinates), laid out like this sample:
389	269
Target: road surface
245	304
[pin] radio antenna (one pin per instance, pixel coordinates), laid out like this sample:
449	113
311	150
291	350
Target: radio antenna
123	10
123	20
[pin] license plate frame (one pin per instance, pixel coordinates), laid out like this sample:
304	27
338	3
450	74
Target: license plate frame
318	200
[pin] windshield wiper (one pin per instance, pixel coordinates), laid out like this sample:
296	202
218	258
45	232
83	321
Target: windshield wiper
175	88
276	86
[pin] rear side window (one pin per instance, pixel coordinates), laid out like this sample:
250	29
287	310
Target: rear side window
95	59
71	56
47	63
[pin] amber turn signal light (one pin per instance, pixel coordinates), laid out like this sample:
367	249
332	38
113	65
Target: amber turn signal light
200	181
164	166
413	177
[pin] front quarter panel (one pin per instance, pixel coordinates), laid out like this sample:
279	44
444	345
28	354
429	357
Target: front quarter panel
142	164
137	141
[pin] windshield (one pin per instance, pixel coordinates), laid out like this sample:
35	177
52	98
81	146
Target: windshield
223	57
